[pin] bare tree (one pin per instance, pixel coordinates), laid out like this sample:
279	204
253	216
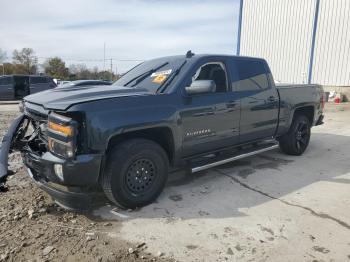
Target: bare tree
25	61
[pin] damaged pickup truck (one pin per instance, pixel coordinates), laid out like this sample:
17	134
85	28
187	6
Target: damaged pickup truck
196	111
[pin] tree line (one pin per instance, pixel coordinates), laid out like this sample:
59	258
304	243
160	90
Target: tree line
26	62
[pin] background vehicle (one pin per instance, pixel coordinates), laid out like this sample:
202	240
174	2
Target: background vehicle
85	83
62	82
18	86
195	110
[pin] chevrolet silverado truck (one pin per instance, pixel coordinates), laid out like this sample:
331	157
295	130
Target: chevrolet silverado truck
196	111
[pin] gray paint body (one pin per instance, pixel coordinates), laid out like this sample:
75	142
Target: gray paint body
198	124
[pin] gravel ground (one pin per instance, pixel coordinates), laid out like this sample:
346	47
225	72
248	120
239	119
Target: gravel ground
270	207
34	228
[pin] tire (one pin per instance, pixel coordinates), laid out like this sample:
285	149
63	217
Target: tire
135	174
297	139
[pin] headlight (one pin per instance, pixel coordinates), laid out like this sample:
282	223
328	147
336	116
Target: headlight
62	132
61	148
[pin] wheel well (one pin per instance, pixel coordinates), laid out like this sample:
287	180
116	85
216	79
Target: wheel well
160	135
307	111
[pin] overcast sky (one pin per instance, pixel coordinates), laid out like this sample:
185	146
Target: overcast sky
76	30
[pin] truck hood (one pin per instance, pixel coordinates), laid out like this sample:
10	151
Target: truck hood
62	98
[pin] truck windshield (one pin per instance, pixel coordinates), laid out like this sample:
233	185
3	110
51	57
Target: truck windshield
152	74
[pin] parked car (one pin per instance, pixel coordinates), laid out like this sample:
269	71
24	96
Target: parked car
63	82
195	111
85	83
18	86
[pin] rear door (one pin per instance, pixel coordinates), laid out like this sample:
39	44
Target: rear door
210	121
21	85
259	100
6	88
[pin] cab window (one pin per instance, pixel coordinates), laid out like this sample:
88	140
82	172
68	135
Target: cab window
6	81
215	72
38	80
251	75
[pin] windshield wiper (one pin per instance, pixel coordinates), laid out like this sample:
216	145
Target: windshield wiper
167	82
141	77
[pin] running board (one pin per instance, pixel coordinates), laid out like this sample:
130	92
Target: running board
245	153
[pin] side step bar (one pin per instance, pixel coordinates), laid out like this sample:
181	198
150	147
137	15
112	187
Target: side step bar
245	153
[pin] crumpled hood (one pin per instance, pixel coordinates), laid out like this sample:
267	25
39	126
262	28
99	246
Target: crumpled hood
62	98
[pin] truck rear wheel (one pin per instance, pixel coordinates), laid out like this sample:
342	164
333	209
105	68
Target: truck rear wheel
136	173
297	139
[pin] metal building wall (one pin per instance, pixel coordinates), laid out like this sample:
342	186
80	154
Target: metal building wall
332	49
279	31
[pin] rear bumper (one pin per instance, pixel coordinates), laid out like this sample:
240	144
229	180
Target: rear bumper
76	188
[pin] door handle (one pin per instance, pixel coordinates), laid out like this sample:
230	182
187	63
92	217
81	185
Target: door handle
271	99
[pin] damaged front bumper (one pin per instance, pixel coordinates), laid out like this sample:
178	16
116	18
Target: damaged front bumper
75	188
72	186
6	146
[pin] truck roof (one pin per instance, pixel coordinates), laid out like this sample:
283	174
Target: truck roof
199	56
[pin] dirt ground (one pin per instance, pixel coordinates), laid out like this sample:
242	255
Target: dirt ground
34	228
270	207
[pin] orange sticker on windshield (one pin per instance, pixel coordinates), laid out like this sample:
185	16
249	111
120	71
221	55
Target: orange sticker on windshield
159	79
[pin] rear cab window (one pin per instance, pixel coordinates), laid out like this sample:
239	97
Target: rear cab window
249	75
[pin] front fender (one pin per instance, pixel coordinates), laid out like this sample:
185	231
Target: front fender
6	145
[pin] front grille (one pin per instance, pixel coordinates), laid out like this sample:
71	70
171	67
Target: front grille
38	118
33	162
35	115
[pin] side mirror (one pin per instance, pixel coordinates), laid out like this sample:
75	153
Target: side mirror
201	87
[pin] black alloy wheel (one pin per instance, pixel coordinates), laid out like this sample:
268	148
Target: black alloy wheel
297	138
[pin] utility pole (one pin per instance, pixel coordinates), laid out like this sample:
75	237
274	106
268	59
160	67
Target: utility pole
104	56
238	49
111	68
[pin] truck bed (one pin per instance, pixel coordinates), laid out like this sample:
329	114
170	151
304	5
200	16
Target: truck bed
293	96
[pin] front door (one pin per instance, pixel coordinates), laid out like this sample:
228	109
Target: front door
210	121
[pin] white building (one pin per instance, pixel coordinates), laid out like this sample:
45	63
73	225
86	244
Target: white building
304	41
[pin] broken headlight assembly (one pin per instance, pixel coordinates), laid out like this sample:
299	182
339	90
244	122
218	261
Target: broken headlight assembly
62	132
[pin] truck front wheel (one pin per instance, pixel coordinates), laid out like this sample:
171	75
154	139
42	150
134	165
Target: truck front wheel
297	139
135	174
